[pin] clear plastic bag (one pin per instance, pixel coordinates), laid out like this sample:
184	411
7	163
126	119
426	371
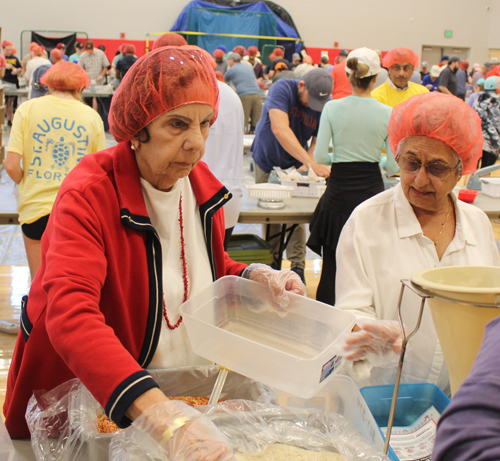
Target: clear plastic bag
251	427
52	420
63	422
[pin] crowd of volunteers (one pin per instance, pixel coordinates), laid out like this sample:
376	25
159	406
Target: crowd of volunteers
118	238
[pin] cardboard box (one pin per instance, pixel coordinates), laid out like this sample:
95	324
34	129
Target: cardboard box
2	155
2	115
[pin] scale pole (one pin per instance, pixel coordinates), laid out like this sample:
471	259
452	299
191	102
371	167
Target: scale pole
401	362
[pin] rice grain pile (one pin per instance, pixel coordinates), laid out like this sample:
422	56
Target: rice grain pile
281	452
106	426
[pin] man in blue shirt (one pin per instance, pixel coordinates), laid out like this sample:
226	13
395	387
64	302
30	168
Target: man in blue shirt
430	81
243	78
290	118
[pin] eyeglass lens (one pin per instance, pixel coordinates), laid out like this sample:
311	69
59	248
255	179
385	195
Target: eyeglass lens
435	168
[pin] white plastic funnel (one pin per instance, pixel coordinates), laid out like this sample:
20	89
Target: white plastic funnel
464	299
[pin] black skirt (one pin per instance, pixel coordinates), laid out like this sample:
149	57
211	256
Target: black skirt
349	184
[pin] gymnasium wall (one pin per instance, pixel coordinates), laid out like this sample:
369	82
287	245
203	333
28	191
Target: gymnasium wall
377	24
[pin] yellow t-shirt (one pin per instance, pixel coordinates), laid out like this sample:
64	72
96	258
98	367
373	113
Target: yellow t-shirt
387	95
52	135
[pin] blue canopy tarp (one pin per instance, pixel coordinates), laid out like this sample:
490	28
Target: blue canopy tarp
207	21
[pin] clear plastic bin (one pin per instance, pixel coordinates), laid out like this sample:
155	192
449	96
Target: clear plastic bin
341	396
235	322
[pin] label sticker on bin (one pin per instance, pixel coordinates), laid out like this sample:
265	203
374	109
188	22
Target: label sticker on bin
329	367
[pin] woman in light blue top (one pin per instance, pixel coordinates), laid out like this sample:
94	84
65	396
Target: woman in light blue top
357	126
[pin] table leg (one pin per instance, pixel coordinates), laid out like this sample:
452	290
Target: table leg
281	247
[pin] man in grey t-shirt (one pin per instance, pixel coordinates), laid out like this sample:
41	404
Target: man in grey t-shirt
245	83
448	82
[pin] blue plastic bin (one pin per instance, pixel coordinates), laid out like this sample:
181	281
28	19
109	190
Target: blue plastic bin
413	400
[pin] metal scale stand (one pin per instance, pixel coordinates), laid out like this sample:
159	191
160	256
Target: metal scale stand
424	295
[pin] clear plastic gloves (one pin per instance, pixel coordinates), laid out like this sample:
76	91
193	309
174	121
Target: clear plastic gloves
176	429
378	341
279	282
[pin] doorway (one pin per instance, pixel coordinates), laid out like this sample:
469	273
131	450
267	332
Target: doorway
432	53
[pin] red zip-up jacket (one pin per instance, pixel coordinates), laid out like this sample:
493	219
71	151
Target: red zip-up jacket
94	309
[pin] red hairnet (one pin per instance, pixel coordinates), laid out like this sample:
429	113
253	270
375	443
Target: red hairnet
160	81
65	76
400	56
169	39
128	49
56	54
219	75
37	51
272	56
240	49
252	50
6	43
218	53
278	52
443	117
464	65
32	44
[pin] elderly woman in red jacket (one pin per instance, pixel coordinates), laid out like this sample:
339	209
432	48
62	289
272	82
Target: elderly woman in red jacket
136	229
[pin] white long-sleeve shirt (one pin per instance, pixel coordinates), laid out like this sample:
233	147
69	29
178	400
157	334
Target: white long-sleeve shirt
382	243
224	150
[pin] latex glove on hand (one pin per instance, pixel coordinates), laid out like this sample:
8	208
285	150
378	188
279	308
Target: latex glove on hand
100	79
183	433
378	341
280	282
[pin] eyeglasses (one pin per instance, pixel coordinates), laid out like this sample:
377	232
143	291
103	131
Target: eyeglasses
406	67
438	169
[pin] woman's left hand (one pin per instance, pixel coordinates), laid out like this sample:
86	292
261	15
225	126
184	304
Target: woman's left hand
280	282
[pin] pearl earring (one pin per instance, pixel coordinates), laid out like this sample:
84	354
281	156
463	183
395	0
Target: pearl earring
133	147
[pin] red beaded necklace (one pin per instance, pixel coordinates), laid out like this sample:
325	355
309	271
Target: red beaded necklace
184	271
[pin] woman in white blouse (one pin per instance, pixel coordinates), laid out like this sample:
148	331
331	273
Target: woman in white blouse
417	225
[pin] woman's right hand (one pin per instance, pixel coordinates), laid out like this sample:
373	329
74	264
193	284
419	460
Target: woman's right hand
184	433
321	170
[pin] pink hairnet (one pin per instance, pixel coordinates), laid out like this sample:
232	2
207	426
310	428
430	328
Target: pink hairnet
14	51
443	117
240	49
166	78
55	54
6	43
218	53
128	49
252	50
65	76
37	51
32	45
400	56
278	52
169	39
219	76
